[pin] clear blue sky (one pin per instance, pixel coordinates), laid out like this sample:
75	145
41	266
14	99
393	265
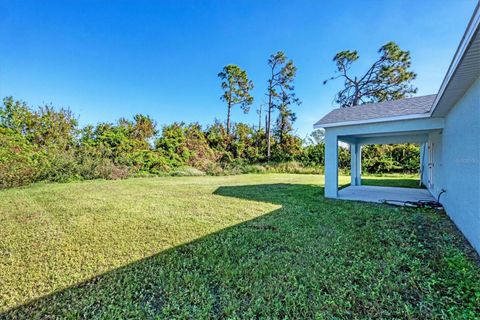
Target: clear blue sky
108	59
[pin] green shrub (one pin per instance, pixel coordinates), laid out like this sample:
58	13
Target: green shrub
107	170
391	158
255	168
59	166
187	171
19	161
292	167
214	169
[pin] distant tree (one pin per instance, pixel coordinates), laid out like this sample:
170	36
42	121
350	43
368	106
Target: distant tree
258	135
286	116
44	126
243	146
236	88
216	134
17	116
389	78
173	144
316	137
259	113
282	75
144	127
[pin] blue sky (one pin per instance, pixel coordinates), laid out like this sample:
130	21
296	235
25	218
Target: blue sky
110	59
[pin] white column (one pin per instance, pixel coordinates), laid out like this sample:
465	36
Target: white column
423	172
331	165
359	164
355	164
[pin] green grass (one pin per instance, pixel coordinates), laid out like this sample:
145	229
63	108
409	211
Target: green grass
248	246
385	180
391	180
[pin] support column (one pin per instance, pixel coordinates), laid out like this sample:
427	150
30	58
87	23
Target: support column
355	164
423	174
331	165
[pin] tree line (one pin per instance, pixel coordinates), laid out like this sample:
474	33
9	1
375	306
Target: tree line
47	144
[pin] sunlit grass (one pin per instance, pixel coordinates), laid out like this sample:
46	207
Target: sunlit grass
55	235
238	246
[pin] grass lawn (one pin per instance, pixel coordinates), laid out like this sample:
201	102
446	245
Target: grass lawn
249	246
390	180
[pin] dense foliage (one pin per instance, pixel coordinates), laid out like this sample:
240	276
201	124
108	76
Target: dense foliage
47	144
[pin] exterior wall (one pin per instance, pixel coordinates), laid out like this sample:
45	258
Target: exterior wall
459	169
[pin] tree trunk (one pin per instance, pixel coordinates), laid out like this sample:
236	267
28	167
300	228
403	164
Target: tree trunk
228	119
269	115
260	119
357	94
282	128
259	127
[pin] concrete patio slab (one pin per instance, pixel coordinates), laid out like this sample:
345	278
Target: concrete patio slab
380	194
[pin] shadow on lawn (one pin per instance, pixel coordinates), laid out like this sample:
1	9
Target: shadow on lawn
187	279
312	257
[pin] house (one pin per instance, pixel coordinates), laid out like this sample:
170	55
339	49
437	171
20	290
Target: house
446	125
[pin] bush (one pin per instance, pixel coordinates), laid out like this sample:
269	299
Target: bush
187	171
19	161
59	166
215	169
293	167
255	168
107	170
391	158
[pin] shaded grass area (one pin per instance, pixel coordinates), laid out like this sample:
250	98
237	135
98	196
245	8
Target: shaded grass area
392	180
252	246
384	180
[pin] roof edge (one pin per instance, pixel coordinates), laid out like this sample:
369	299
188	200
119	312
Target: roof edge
465	43
376	120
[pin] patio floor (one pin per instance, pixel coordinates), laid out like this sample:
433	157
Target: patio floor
380	194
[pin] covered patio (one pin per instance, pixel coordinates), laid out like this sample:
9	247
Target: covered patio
393	195
403	121
357	137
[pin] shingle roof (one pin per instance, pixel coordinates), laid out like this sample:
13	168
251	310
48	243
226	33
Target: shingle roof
388	109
